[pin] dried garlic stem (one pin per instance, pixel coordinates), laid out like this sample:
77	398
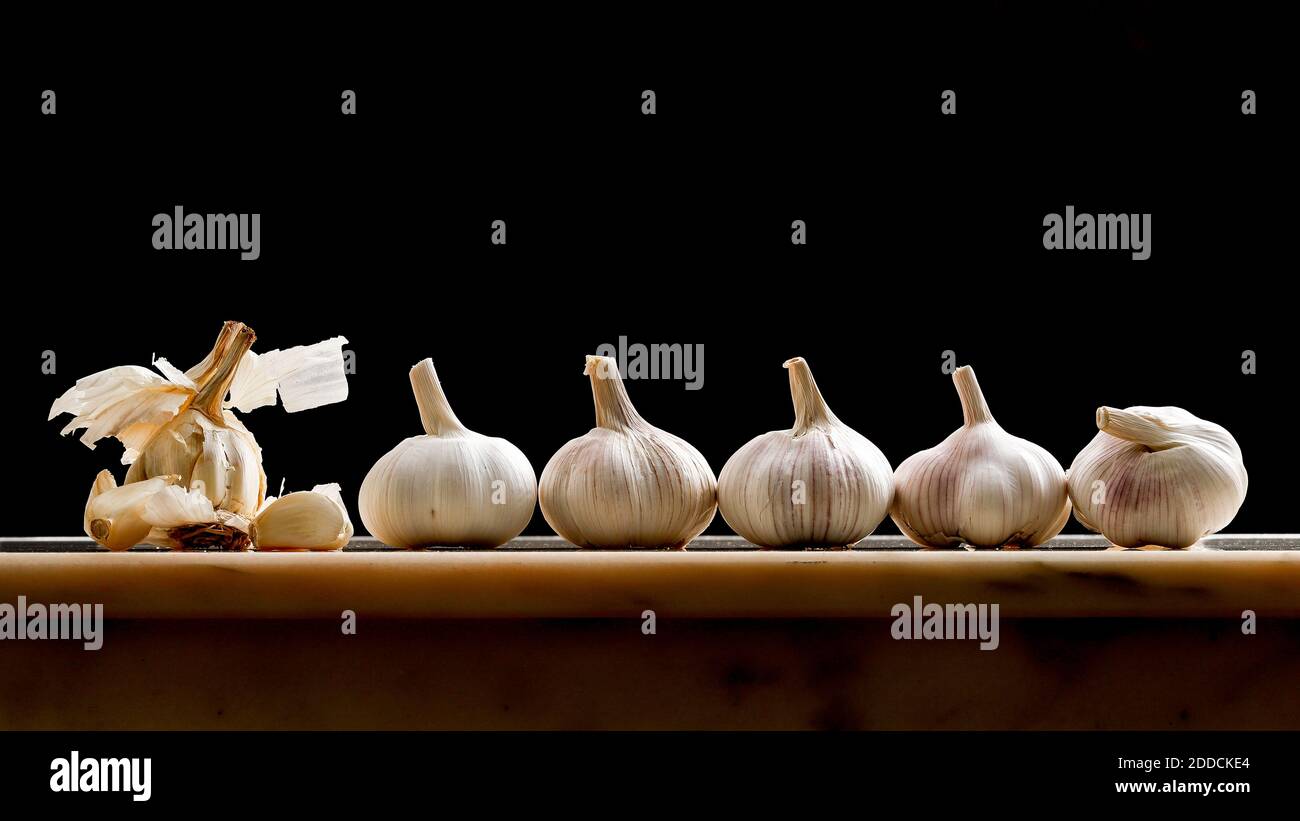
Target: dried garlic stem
1131	427
213	359
435	413
810	409
213	393
614	410
973	407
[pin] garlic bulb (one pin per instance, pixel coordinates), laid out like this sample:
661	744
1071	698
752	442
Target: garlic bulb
1157	476
819	484
981	486
195	477
206	447
626	483
450	487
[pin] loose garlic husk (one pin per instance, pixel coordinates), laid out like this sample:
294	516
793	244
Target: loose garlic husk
1157	476
626	483
196	478
819	484
450	487
981	486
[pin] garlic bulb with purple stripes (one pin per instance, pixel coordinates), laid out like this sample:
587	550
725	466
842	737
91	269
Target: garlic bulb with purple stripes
1157	476
626	483
818	484
981	486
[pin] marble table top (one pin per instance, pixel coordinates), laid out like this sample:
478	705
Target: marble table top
716	577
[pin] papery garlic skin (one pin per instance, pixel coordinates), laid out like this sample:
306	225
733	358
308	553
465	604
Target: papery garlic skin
184	519
818	484
451	487
981	486
128	402
1157	476
626	483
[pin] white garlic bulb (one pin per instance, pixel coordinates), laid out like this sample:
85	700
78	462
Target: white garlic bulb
819	484
450	487
626	483
981	486
1157	476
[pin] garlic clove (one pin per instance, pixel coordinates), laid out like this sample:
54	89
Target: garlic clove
451	487
313	519
1157	476
981	486
626	483
818	484
229	468
114	515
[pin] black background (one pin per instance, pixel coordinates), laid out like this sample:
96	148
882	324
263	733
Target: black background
925	232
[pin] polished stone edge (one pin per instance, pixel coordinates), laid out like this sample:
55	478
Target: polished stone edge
1197	583
364	544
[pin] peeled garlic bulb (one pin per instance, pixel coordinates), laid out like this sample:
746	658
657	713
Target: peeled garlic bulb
626	483
203	448
450	487
178	428
1157	476
819	484
313	519
981	486
206	446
